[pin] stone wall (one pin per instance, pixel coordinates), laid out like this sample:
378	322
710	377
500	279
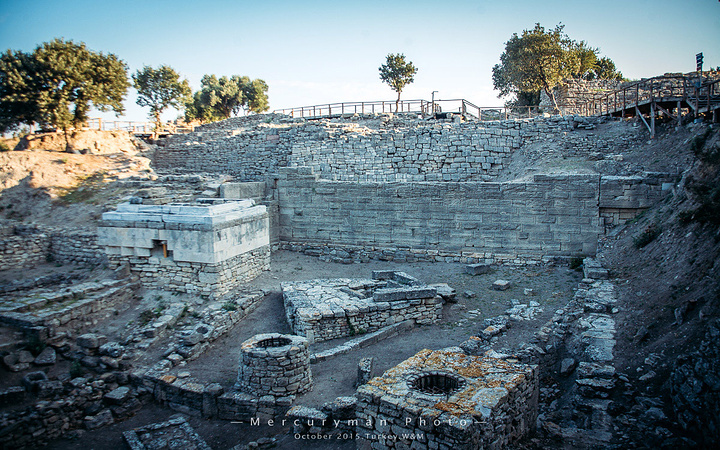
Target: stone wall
513	221
22	247
365	148
623	198
207	249
78	247
572	96
322	310
25	246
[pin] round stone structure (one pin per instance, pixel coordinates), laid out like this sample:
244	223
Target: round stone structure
274	364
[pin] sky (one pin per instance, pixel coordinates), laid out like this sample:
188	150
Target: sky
313	52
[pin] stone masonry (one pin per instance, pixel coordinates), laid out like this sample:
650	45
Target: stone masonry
274	364
207	249
551	215
327	309
447	399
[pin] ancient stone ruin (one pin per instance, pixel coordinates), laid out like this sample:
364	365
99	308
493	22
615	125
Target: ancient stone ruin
207	249
328	309
452	399
274	364
193	282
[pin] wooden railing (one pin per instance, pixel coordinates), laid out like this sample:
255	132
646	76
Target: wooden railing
691	90
421	107
135	127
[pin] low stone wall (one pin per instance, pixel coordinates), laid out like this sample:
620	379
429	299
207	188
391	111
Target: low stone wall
80	247
22	247
65	406
70	310
209	399
25	246
328	309
623	198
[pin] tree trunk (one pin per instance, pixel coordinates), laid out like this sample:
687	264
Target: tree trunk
397	103
68	147
158	124
551	94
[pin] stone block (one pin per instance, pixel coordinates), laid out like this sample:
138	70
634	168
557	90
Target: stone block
47	357
501	285
477	269
91	341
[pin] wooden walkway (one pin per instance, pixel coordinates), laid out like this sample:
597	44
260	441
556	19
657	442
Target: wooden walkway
669	95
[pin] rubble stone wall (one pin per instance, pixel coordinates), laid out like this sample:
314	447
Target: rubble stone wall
80	247
553	215
27	246
18	251
365	148
213	280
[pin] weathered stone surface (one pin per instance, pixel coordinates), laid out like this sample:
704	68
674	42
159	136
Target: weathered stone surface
47	357
477	269
99	420
117	396
91	341
501	285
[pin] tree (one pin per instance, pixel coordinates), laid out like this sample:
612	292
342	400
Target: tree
160	89
18	91
397	73
540	60
57	85
255	95
220	98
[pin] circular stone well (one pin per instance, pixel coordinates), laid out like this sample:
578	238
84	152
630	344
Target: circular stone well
274	364
436	382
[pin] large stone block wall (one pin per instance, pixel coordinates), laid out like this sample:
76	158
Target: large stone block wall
205	249
364	148
524	220
623	198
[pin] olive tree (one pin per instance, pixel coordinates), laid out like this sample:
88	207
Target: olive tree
397	73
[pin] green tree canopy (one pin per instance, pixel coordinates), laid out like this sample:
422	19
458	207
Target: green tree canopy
57	85
221	98
160	89
540	59
397	73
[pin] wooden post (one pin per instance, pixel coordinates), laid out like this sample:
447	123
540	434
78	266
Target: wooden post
652	118
679	112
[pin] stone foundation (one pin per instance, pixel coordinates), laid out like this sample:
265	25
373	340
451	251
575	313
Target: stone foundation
212	280
444	399
328	309
207	249
274	364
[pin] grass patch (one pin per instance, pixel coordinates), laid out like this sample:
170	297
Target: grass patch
85	191
76	369
229	306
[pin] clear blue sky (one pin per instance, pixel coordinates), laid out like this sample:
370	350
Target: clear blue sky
312	52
